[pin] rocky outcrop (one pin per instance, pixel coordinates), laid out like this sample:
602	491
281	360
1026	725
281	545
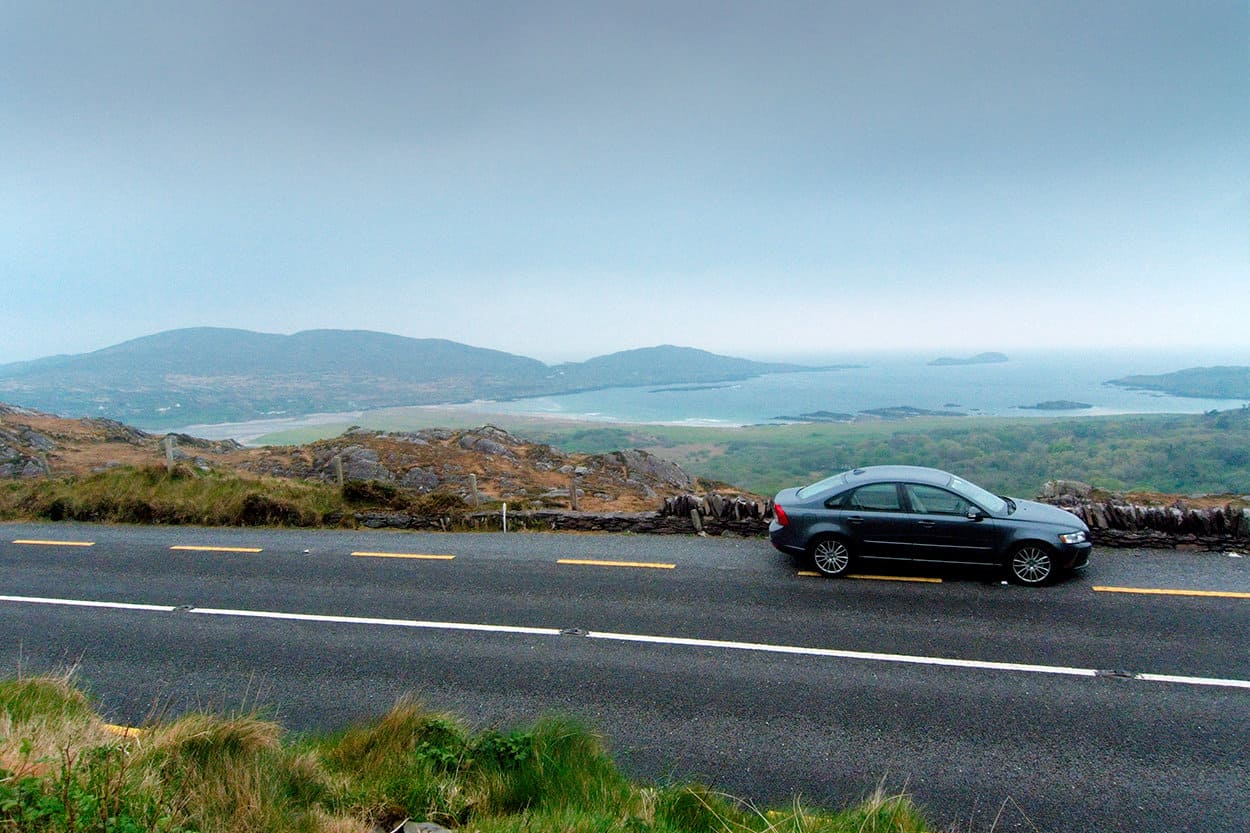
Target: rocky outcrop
480	464
1115	520
23	450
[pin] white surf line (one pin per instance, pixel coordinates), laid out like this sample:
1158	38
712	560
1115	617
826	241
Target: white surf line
758	647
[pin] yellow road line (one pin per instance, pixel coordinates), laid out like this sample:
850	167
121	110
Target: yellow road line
1149	591
649	564
420	555
899	578
55	543
190	548
125	731
809	573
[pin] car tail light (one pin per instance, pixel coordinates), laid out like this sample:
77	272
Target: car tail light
780	515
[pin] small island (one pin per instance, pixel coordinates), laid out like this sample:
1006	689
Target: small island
907	412
818	416
979	358
1057	405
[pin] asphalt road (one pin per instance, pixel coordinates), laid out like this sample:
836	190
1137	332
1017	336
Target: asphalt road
1070	708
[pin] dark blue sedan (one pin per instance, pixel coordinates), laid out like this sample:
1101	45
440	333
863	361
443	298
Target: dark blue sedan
912	513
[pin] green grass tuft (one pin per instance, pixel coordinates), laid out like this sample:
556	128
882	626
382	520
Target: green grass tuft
210	774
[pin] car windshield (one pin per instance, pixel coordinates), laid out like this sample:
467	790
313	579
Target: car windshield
821	485
986	500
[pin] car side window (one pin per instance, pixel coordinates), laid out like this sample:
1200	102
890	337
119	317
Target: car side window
875	497
931	500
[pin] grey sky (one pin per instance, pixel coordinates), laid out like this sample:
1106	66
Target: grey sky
566	179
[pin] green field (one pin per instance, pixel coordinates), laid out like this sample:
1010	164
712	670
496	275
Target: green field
1184	454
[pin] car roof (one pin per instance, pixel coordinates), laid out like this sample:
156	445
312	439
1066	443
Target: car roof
907	474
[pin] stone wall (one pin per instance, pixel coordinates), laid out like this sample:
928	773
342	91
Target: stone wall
1113	522
711	514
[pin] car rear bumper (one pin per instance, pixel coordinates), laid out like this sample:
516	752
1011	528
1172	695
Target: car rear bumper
780	537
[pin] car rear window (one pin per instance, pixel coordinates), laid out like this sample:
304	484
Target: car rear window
821	486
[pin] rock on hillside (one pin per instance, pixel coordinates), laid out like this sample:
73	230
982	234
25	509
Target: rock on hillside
502	466
33	444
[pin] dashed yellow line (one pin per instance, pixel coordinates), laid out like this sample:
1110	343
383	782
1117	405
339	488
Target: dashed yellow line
191	548
124	731
1155	591
418	555
643	564
55	543
809	573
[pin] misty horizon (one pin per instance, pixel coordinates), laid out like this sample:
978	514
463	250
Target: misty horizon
565	180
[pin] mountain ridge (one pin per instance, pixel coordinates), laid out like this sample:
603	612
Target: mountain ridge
216	374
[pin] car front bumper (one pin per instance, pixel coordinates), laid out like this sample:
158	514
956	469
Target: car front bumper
1075	556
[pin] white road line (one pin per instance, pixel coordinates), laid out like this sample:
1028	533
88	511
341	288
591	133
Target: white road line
841	654
389	623
36	600
868	656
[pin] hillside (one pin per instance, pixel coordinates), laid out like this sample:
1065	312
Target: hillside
1197	382
500	465
206	375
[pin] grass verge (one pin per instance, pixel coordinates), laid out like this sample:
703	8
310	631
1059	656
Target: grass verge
62	769
155	495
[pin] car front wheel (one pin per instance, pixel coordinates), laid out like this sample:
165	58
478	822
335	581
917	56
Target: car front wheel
1031	564
831	556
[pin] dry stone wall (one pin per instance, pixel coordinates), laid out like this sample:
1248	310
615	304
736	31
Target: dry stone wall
1113	522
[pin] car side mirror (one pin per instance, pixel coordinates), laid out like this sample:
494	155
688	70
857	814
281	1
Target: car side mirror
975	515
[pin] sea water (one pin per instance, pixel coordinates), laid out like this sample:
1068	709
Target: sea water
1005	389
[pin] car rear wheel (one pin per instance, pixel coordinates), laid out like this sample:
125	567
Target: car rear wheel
830	556
1031	564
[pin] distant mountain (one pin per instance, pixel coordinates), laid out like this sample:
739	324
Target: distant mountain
1197	382
979	358
663	365
208	374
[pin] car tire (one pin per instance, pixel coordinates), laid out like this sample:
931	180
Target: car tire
1031	564
830	556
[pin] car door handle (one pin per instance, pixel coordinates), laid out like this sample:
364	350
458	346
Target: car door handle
855	519
926	524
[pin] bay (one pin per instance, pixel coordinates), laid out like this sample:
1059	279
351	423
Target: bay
1006	389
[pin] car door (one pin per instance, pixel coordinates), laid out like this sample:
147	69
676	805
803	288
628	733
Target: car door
948	526
877	520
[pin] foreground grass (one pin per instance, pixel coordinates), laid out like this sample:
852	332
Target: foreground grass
183	496
62	769
154	495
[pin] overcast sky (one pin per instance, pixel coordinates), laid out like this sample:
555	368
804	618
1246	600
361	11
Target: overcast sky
563	180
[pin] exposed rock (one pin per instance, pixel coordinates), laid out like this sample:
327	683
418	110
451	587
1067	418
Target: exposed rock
32	438
1059	488
359	463
649	468
419	479
485	445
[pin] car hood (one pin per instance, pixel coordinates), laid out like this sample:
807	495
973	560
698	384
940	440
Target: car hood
1031	510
